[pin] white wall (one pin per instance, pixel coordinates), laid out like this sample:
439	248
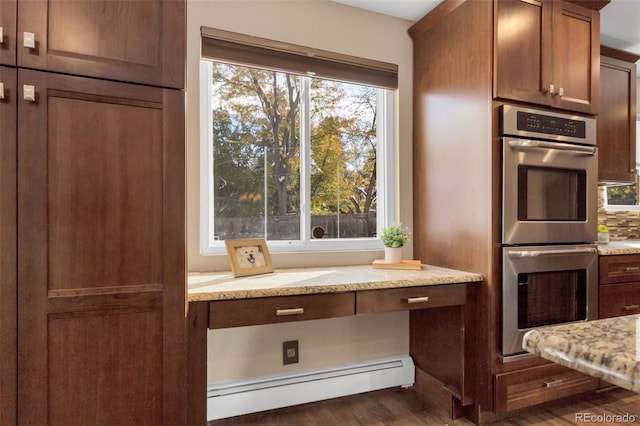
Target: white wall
322	24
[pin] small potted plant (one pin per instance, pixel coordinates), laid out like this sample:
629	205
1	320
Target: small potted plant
394	238
603	234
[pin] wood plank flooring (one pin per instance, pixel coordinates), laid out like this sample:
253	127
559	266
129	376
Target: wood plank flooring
399	407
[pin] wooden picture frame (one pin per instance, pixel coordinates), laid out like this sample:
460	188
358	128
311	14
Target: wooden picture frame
248	257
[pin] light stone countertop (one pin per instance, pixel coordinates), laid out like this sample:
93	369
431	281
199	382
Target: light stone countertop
613	248
603	348
205	286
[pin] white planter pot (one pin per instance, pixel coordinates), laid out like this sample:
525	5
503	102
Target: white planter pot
393	254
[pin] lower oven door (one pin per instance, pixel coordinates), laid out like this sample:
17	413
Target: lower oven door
549	192
545	285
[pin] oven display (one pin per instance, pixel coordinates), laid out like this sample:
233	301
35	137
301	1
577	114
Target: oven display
545	124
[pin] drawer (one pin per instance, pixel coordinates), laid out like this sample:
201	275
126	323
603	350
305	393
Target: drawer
532	386
619	269
409	298
268	310
615	300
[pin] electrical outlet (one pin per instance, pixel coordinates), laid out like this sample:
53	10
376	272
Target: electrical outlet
290	354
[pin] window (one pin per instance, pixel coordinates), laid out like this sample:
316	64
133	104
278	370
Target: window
300	160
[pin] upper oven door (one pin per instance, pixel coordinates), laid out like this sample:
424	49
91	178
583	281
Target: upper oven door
549	192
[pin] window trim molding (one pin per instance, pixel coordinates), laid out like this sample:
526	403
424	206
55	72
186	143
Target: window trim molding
386	177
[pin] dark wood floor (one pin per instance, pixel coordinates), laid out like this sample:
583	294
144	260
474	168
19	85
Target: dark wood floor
399	407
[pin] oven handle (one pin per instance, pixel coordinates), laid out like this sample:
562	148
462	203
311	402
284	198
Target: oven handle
534	253
524	144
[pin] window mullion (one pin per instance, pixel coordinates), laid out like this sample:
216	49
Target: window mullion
305	161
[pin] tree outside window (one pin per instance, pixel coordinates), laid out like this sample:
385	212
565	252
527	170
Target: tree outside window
271	133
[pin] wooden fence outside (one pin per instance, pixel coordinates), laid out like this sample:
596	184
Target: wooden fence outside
362	225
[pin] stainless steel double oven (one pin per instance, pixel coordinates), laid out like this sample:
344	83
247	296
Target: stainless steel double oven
549	215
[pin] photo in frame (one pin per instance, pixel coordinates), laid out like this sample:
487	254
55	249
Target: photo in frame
248	257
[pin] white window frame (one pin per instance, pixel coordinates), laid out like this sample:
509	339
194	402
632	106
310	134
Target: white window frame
386	197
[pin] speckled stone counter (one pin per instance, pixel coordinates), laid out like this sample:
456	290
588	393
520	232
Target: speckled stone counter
604	348
613	248
286	282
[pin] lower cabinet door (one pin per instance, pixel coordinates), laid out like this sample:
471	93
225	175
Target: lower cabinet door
619	299
531	386
101	268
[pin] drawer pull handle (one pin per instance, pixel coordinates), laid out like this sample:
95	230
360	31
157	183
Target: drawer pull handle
292	311
631	307
632	268
418	299
553	383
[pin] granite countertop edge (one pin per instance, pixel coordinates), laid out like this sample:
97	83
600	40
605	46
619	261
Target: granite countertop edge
619	247
604	349
211	286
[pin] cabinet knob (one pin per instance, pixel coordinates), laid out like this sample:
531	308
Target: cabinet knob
1	36
29	40
1	90
551	89
561	92
29	93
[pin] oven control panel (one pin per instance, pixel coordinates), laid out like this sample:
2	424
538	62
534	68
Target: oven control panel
539	123
547	125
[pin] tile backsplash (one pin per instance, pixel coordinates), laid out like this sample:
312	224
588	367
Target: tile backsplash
622	224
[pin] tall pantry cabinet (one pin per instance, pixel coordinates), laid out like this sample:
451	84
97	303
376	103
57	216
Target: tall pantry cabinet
471	57
92	225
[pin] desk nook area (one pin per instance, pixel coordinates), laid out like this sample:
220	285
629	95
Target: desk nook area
441	303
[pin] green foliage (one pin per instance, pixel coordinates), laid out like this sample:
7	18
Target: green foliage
394	236
622	195
256	149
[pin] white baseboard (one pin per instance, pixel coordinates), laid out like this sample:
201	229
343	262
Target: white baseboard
266	393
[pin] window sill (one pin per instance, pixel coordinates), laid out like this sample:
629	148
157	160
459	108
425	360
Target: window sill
620	208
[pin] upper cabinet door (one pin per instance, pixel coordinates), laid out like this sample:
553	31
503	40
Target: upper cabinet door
547	53
617	121
576	57
140	41
522	51
8	32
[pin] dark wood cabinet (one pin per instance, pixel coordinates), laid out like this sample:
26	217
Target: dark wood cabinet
8	11
100	260
617	119
547	53
619	292
92	220
616	300
8	246
471	57
535	385
273	310
136	41
410	298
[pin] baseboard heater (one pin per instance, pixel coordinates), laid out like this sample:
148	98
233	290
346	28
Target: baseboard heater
265	393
